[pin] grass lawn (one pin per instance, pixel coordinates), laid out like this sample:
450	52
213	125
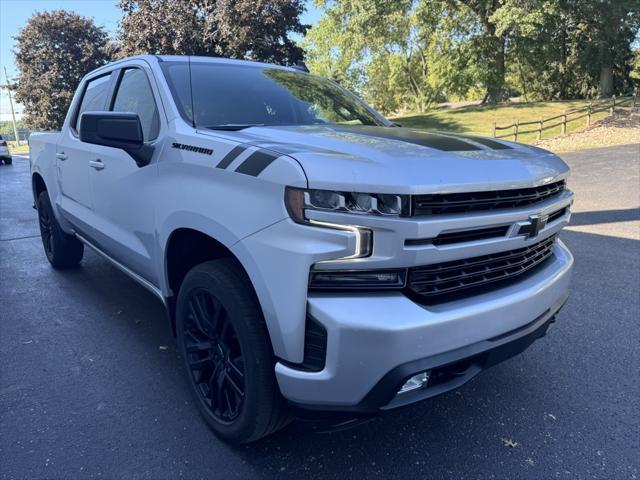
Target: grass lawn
24	148
479	119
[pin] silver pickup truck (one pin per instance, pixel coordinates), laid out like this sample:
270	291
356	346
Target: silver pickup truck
312	255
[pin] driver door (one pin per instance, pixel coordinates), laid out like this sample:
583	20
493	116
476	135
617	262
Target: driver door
122	192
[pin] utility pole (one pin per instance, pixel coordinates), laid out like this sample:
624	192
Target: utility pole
13	114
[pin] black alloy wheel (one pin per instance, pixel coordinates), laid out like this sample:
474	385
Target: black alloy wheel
214	356
62	250
224	345
46	231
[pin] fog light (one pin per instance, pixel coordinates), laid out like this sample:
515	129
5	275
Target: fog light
417	381
357	279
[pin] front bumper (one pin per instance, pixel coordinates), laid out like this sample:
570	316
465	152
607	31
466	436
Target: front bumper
376	341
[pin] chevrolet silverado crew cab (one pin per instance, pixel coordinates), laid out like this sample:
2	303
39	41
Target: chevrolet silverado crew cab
312	255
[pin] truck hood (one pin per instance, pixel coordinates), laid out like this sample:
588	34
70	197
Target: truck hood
403	160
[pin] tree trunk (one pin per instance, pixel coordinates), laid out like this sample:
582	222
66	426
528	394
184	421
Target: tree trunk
495	81
606	81
563	94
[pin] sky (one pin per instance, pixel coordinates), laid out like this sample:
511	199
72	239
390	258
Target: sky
15	13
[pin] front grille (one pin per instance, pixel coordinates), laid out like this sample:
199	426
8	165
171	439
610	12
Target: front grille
444	203
475	234
444	281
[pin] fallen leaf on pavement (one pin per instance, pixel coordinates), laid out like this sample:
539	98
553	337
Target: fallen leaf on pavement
507	442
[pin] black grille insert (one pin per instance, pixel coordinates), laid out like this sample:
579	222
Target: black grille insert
315	346
444	203
461	236
444	281
556	215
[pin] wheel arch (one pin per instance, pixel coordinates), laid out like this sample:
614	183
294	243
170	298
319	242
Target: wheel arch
38	185
186	247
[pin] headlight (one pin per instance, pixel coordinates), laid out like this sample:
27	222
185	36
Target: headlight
299	200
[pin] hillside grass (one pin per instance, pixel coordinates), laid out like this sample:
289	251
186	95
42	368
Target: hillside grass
479	120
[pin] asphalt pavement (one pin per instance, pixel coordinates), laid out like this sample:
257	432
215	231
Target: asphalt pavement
90	386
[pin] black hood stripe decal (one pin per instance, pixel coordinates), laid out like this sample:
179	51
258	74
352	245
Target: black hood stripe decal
257	162
232	155
487	142
287	148
425	139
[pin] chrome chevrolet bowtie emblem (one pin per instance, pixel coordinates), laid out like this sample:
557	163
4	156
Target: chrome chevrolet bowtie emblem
532	227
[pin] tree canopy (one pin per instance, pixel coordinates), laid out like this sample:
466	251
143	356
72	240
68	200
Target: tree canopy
411	53
53	52
401	54
56	49
250	29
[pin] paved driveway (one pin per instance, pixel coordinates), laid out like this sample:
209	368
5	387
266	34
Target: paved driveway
90	386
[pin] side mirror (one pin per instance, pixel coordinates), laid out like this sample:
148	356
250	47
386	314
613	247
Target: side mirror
118	130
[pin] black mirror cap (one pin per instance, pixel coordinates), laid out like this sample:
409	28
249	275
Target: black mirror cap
118	130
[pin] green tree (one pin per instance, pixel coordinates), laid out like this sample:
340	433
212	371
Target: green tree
635	68
604	33
396	54
489	46
570	48
251	29
6	127
53	52
410	53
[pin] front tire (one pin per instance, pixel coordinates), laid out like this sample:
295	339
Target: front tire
62	250
225	348
8	160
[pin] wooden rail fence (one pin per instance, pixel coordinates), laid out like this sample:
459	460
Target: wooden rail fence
564	118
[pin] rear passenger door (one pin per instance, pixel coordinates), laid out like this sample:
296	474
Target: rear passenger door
123	200
73	156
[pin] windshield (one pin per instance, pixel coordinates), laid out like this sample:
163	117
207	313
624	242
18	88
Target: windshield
237	96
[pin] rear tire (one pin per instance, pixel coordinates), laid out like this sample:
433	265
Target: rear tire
62	250
227	356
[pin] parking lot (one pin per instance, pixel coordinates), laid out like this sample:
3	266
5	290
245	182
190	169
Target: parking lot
90	386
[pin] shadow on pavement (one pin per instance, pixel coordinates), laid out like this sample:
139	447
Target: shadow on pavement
605	216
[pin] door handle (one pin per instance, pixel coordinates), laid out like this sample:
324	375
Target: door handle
61	156
97	164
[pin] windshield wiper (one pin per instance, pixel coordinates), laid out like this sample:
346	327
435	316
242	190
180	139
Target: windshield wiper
234	126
